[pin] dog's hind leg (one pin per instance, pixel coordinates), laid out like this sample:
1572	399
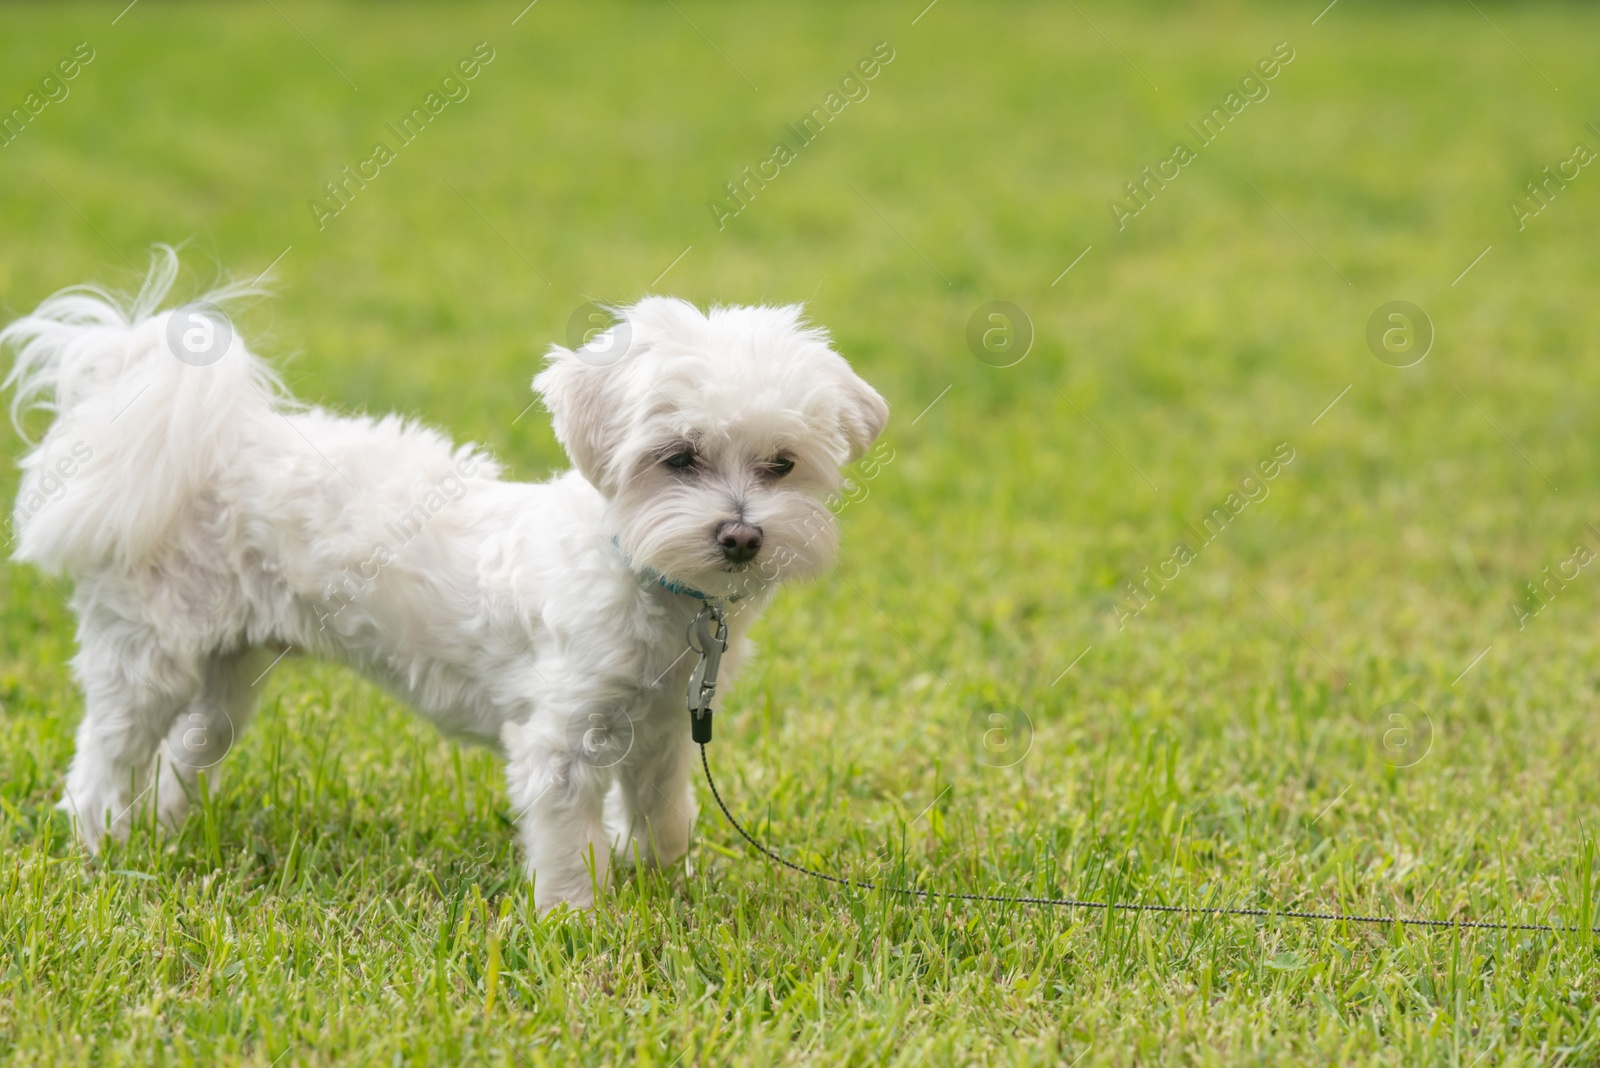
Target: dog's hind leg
131	691
205	730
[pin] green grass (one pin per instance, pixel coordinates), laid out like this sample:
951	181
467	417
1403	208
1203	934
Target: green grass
341	899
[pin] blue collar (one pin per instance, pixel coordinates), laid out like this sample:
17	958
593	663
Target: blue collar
650	574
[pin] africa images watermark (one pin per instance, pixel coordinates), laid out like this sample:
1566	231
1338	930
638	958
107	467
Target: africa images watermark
1144	187
1540	593
852	86
854	491
1252	490
1542	191
343	188
404	530
49	488
53	89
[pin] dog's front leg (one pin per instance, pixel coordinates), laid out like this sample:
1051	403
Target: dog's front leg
558	771
657	796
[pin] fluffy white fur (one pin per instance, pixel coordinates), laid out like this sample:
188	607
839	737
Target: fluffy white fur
210	523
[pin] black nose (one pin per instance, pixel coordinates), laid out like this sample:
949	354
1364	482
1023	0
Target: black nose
740	542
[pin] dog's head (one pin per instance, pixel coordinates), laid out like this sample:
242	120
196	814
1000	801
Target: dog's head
715	438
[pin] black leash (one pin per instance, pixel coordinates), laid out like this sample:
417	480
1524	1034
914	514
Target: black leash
711	631
1115	906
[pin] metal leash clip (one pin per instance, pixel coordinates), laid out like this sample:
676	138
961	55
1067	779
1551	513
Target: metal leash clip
708	636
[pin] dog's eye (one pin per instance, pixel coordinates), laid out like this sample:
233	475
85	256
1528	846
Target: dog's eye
780	466
680	460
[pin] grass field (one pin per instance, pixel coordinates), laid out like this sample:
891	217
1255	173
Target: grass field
1226	737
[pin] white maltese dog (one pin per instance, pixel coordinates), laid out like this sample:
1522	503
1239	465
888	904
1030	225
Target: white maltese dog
211	524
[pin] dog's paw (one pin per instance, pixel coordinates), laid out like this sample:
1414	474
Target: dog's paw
93	823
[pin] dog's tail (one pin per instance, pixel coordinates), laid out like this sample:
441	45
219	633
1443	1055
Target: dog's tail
149	407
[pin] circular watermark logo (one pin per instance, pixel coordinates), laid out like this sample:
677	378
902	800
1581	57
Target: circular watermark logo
597	336
600	737
999	737
199	333
1400	334
201	739
999	333
1403	734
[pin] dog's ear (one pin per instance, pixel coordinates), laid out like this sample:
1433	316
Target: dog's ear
579	393
862	414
